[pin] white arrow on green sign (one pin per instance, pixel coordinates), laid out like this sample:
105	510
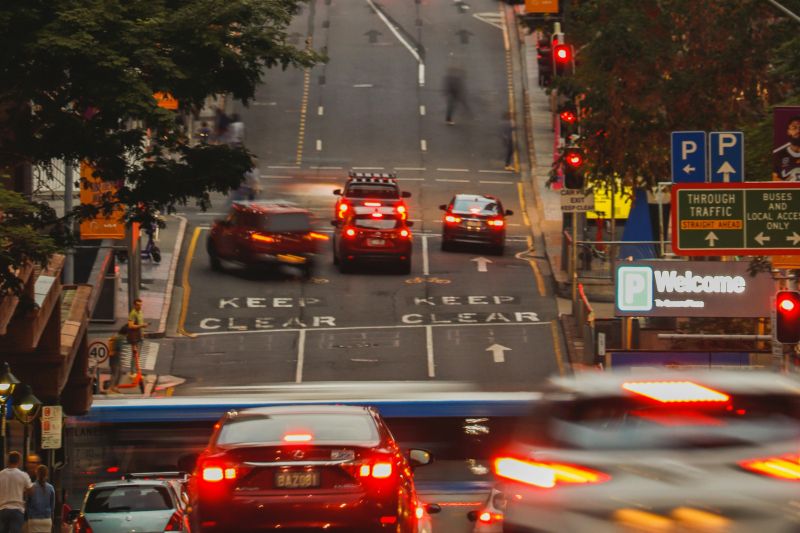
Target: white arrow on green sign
736	218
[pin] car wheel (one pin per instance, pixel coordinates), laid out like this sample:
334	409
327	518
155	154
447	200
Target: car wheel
213	258
405	266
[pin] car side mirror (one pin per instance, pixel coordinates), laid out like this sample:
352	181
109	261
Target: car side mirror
420	457
335	223
472	516
405	194
433	508
443	207
409	224
337	192
73	515
509	212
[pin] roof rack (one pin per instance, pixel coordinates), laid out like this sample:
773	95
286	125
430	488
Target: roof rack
374	177
130	476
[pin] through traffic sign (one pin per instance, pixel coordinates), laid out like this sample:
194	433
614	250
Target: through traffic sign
726	156
688	156
736	219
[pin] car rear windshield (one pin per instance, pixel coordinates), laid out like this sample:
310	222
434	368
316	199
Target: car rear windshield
129	498
280	222
323	427
372	190
630	423
478	206
377	223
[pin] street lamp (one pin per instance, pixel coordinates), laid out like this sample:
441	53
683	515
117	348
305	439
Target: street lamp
8	382
26	409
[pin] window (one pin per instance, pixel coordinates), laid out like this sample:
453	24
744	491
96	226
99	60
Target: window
323	428
478	205
372	190
376	223
128	498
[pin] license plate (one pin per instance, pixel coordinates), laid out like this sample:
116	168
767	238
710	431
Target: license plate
289	258
297	479
473	224
376	242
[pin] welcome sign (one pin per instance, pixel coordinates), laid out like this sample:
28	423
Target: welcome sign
691	289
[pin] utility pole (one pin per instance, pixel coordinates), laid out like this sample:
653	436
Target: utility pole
69	260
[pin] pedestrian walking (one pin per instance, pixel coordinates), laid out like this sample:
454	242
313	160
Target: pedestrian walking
507	136
15	485
235	135
41	502
454	93
136	326
115	344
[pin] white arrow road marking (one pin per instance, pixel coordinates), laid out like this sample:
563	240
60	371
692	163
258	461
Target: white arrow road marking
495	19
794	237
761	238
482	262
711	238
726	170
498	352
688	169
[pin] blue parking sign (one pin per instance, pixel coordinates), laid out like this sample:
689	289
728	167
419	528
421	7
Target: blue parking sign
688	161
726	156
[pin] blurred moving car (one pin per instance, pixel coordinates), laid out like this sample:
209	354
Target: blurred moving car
370	189
489	518
332	467
263	233
372	233
143	502
655	451
475	219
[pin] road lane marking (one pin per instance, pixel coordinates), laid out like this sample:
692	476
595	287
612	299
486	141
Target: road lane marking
429	347
367	168
497	171
283	166
319	145
453	169
362	85
320	110
409	168
510	83
557	348
360	328
411	49
425	267
534	266
187	289
275	177
482	262
422	110
452	181
301	350
522	204
423	144
497	182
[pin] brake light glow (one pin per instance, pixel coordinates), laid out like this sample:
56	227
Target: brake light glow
262	238
675	391
82	526
452	219
372	204
230	473
297	437
376	214
212	474
377	470
388	520
401	209
175	522
363	471
488	518
404	233
496	222
546	475
350	232
786	467
316	236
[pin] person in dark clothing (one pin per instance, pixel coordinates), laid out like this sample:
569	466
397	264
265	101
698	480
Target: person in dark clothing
454	93
507	135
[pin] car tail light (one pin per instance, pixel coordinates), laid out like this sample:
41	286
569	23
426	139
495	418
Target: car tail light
312	236
546	475
452	219
259	237
675	391
405	233
496	222
82	526
378	470
388	520
419	512
214	473
402	210
350	232
786	467
372	204
343	207
175	522
489	518
297	437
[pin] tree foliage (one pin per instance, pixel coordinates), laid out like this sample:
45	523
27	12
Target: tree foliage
77	79
646	68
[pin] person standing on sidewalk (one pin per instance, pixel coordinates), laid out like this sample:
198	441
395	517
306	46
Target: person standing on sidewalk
136	326
115	357
15	485
41	503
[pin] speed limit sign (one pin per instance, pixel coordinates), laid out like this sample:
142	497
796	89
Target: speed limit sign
98	352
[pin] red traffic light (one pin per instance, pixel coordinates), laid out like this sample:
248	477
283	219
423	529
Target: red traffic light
787	304
563	53
574	158
568	117
787	317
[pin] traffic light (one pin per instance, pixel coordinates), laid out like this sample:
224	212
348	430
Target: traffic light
787	317
573	173
568	115
563	57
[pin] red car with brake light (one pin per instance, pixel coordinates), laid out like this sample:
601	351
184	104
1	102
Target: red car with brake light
308	466
372	234
370	189
474	219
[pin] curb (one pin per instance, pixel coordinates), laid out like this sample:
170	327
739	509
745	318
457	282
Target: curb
162	322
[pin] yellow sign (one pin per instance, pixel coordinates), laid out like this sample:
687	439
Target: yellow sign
541	6
602	204
786	261
166	101
92	191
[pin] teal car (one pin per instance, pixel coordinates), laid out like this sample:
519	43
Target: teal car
138	503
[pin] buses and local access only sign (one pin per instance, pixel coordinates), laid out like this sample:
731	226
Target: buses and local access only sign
736	219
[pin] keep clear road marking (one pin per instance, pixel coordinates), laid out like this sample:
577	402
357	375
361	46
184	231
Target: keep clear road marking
425	266
498	352
482	262
301	351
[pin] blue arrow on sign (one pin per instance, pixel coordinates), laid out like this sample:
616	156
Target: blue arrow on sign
727	156
688	156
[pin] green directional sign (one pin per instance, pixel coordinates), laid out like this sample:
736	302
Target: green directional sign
736	218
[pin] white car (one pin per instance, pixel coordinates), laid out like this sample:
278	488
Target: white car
707	451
